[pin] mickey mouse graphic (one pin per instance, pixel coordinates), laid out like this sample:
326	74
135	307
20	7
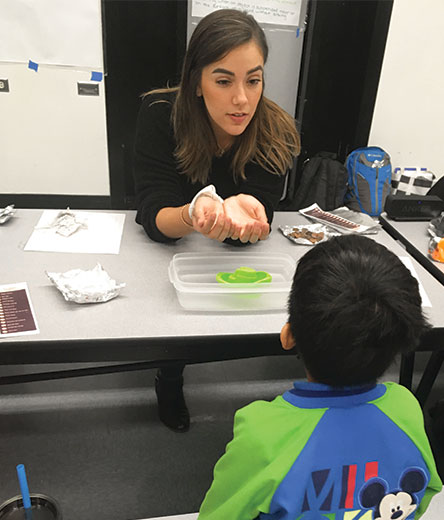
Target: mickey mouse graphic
397	504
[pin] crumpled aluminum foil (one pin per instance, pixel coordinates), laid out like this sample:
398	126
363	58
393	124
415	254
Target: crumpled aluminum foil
66	223
93	286
308	234
436	226
6	213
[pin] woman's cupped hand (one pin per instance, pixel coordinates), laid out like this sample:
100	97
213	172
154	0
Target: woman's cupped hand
240	217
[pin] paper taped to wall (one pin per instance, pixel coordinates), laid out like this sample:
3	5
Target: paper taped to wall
280	12
52	32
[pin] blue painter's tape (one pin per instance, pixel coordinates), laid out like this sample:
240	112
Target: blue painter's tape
297	32
96	76
33	65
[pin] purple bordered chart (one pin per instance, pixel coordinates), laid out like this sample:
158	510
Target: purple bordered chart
16	313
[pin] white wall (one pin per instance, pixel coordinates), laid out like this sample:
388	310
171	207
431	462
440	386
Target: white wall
52	140
408	120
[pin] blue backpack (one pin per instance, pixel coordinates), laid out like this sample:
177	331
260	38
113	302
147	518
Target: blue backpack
369	180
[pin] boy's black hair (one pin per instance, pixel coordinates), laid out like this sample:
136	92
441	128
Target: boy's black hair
352	308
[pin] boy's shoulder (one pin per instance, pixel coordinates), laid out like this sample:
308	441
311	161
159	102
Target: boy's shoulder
264	410
269	422
257	408
396	392
272	419
401	406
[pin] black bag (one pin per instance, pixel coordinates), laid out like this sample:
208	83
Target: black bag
324	181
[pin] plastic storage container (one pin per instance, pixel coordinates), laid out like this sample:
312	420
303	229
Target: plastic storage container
194	278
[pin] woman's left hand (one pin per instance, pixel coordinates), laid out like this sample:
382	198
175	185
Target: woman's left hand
248	216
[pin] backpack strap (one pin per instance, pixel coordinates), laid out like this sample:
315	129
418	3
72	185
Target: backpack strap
309	172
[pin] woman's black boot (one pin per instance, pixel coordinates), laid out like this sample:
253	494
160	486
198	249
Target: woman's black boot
171	406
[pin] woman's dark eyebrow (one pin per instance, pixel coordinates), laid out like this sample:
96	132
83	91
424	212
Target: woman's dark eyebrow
229	73
259	67
223	71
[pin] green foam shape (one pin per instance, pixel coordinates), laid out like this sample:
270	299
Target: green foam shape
244	275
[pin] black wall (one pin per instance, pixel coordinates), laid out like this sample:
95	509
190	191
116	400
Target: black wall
145	43
342	58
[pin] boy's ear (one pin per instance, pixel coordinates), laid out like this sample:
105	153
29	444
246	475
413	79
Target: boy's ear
287	339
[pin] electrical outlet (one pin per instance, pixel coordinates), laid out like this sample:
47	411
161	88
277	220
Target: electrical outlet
4	85
88	89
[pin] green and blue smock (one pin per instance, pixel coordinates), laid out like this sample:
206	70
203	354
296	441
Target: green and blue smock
323	453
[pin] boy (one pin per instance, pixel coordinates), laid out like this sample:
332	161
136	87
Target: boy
338	446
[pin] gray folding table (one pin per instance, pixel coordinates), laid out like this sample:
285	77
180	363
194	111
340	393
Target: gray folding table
413	235
145	325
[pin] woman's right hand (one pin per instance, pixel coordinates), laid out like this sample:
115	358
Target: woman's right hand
210	220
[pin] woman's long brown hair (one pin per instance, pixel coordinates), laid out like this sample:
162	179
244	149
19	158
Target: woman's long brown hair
270	140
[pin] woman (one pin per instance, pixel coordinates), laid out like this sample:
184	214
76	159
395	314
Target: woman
211	154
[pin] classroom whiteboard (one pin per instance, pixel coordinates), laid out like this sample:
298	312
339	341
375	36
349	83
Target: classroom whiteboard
51	32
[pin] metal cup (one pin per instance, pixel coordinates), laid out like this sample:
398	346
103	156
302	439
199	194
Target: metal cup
43	507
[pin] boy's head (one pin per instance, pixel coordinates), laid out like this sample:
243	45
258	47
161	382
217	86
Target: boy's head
352	308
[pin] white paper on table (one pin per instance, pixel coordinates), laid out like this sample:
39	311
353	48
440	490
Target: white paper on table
103	234
424	297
